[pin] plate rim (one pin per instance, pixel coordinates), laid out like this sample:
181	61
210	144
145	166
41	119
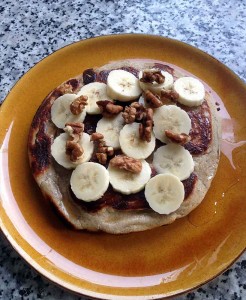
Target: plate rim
53	278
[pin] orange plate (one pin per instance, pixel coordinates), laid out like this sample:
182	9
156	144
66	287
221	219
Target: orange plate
157	263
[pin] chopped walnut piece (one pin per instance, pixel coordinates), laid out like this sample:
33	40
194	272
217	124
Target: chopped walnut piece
169	96
127	163
77	127
149	114
102	158
75	130
140	110
129	115
108	108
102	151
65	89
150	76
152	99
180	139
73	148
78	105
105	149
74	151
141	131
135	111
136	105
145	128
96	136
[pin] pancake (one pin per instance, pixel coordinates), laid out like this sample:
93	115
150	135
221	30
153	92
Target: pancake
114	212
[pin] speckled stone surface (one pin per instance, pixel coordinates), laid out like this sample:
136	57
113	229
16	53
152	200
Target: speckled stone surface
31	30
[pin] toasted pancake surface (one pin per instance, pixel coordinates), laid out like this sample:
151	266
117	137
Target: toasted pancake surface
114	212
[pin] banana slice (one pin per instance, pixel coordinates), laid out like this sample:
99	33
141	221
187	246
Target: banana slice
156	87
110	128
95	91
173	159
164	193
58	150
191	91
61	113
170	117
123	86
89	181
127	182
132	145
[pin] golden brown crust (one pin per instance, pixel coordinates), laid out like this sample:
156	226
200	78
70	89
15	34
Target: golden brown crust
53	179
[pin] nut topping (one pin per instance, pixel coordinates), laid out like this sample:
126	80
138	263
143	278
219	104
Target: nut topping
102	158
74	151
65	89
152	99
135	111
129	115
180	139
102	151
140	111
150	76
145	128
96	136
169	96
108	108
75	130
127	163
78	105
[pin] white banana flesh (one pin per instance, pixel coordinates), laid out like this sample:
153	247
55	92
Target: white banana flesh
58	150
61	113
155	87
164	193
123	86
191	91
89	181
170	117
173	159
110	128
127	182
95	91
132	145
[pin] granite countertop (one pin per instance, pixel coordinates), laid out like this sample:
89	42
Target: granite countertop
31	30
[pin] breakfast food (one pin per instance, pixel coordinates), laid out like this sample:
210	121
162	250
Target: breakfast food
126	147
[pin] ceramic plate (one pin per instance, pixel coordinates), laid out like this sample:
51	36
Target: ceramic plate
157	263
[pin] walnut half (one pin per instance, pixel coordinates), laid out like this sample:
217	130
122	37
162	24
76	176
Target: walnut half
78	105
102	151
150	76
134	112
108	108
129	115
127	163
169	96
75	130
180	139
152	99
145	128
74	151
